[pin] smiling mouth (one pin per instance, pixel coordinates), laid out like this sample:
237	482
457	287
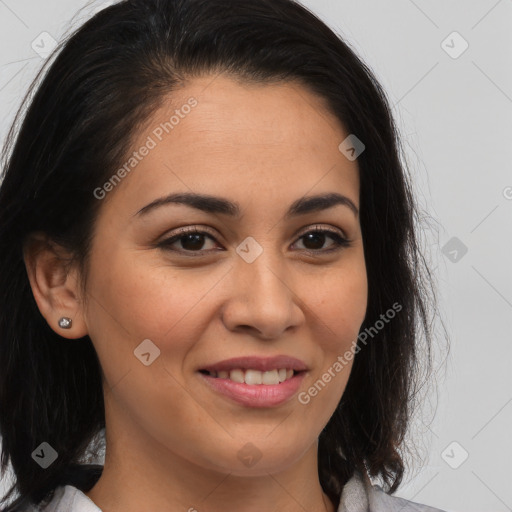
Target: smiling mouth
254	377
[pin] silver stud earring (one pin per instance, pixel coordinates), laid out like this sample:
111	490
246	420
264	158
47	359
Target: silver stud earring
65	322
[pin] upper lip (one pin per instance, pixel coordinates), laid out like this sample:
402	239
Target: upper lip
262	364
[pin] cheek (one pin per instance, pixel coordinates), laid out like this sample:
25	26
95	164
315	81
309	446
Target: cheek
337	310
131	301
134	301
340	305
146	296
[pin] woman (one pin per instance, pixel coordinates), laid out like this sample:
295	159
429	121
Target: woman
161	215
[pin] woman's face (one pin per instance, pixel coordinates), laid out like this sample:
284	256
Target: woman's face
251	285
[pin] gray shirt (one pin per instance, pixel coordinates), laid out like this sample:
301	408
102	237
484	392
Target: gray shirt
358	495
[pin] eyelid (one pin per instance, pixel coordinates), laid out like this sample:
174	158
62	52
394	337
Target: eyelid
320	227
200	228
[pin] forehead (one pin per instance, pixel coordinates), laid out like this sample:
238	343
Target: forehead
220	136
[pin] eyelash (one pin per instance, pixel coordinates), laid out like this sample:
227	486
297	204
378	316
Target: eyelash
340	242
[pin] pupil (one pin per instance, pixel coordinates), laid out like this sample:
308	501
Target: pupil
316	236
196	240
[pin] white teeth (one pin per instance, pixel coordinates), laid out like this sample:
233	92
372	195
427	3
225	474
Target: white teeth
255	377
271	377
237	376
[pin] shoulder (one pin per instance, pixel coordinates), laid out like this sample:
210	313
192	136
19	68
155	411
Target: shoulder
65	499
383	502
359	495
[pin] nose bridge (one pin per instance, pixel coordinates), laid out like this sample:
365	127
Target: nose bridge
263	271
262	296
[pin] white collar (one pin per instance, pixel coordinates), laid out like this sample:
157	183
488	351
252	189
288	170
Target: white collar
359	495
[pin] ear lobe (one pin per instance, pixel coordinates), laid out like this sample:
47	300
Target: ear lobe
54	283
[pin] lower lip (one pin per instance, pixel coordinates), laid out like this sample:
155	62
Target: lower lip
258	395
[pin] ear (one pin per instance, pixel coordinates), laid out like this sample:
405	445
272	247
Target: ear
54	283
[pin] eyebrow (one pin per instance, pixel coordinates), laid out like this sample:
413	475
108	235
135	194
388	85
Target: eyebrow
219	205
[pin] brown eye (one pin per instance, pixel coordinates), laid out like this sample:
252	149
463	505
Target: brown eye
192	241
315	239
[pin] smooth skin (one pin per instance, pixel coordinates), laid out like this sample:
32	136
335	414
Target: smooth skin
172	442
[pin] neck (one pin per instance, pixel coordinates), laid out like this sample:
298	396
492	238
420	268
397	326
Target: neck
141	474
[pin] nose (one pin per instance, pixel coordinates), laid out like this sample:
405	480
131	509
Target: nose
262	300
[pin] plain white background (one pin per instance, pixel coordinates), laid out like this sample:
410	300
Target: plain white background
452	98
